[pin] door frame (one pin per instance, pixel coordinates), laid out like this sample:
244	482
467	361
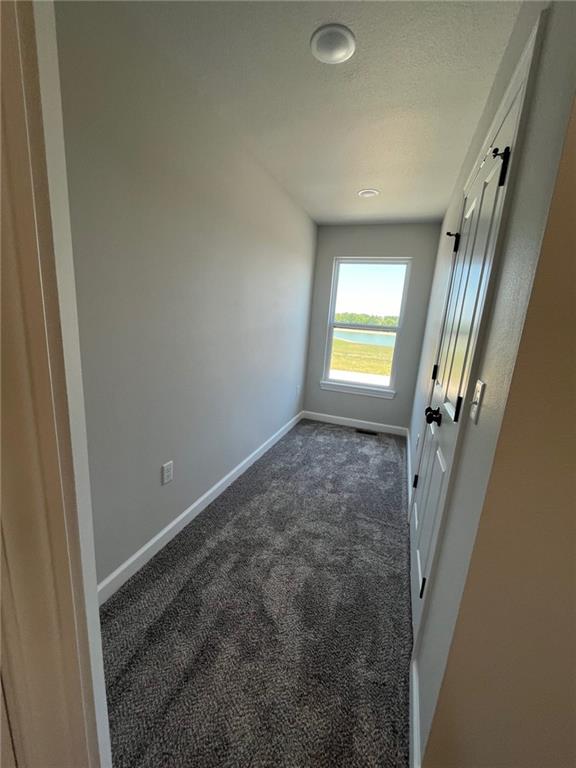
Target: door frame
518	87
57	179
52	671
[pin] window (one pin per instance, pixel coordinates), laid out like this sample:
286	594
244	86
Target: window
365	319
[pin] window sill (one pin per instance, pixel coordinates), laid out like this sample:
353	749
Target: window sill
357	389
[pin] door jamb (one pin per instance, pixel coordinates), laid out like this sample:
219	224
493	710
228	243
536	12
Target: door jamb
36	35
52	117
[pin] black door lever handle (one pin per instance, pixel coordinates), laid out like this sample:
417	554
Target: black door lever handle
433	415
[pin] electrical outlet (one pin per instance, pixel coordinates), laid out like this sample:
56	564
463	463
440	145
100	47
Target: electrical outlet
167	472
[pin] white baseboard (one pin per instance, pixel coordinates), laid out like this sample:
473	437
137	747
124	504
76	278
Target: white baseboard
343	421
415	755
117	578
409	468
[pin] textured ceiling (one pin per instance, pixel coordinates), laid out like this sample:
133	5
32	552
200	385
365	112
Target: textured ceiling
399	115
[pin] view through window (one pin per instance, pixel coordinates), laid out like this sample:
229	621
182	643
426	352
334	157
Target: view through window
366	318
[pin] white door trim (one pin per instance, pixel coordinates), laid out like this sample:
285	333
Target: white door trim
51	99
415	737
46	667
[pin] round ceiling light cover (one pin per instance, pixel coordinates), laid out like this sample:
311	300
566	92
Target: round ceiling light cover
371	192
333	44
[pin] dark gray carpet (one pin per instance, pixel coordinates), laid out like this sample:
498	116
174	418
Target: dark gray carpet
274	630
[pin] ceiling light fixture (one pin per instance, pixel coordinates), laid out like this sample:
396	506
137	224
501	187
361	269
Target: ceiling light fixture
368	193
333	44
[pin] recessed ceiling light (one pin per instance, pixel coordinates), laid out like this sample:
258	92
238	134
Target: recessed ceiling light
368	193
333	44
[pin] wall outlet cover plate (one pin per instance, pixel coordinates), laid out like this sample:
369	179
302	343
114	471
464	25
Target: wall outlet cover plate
167	472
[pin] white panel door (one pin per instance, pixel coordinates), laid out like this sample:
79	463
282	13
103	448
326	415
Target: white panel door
471	270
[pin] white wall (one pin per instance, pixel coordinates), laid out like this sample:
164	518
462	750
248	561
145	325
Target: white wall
532	184
193	277
416	240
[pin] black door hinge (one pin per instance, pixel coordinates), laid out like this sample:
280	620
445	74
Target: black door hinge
458	408
415	482
435	372
456	236
505	155
422	586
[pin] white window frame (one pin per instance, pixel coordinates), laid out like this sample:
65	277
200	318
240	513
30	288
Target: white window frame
350	387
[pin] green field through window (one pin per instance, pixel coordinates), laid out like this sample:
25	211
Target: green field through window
362	357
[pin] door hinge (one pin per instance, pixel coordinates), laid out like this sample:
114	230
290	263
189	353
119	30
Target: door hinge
505	155
415	482
435	372
458	408
422	586
456	236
